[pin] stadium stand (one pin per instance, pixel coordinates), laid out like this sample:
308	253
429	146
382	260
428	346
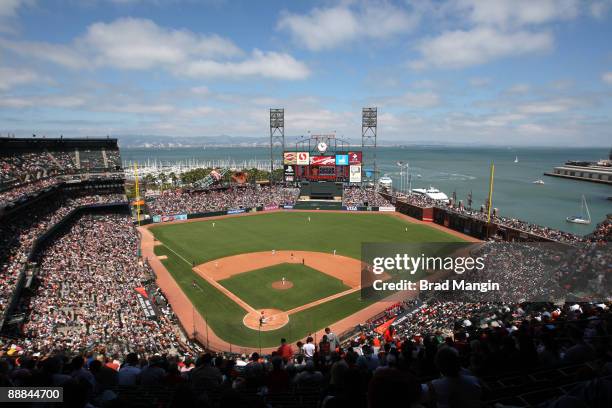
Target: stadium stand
84	313
188	202
359	197
533	231
28	165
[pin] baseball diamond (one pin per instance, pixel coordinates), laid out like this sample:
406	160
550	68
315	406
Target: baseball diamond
317	252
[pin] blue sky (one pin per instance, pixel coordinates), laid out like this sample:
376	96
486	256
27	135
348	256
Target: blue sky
507	72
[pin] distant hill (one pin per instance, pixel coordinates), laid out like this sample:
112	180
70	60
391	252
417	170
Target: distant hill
156	141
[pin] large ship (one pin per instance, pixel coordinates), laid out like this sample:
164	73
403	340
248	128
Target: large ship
596	172
432	193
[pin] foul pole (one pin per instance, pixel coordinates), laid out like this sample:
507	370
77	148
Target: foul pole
137	193
491	177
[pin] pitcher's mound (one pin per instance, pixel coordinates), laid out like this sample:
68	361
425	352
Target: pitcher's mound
272	319
280	285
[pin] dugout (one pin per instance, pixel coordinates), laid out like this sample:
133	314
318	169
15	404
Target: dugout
321	191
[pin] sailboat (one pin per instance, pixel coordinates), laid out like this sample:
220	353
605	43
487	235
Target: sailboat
516	159
585	215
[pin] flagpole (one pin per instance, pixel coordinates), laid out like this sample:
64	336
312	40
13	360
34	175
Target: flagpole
490	204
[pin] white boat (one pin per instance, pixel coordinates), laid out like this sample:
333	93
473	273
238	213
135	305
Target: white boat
516	159
538	182
585	215
385	182
432	193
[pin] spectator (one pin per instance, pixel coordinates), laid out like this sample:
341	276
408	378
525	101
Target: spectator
285	350
309	348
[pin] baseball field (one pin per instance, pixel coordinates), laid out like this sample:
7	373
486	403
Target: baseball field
301	269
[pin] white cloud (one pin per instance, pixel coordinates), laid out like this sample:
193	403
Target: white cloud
11	77
518	12
599	8
484	31
139	108
327	28
8	12
263	64
56	53
140	44
607	77
419	100
60	102
458	49
549	106
8	8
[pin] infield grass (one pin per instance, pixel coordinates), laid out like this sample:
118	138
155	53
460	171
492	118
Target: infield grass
199	242
255	287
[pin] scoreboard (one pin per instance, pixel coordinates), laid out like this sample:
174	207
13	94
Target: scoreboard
341	167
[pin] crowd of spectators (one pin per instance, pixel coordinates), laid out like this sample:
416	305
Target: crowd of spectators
602	232
86	297
23	173
534	229
19	231
184	202
98	159
436	355
359	197
16	193
25	167
113	159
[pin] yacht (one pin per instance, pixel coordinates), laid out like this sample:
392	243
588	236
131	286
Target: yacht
585	215
432	193
385	182
516	159
538	182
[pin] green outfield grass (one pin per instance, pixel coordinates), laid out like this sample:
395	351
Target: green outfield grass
198	242
255	287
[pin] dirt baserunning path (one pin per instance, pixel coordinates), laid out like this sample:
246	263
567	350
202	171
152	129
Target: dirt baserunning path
194	324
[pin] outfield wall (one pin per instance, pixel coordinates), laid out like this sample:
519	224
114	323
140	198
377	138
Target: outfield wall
181	217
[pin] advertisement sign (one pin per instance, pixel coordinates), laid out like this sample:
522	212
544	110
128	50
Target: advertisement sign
290	158
156	218
351	208
354	157
236	211
342	160
355	174
146	306
303	158
288	207
177	217
322	160
289	173
145	303
270	207
386	208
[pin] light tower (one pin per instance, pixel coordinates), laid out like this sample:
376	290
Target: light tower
369	122
277	138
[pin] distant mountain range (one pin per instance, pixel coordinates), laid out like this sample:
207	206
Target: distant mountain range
161	142
165	142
